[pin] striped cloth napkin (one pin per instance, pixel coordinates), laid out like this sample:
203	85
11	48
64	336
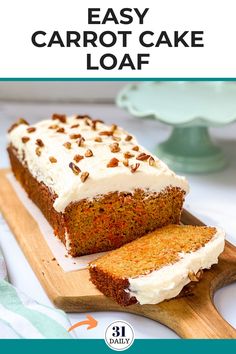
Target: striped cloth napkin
22	317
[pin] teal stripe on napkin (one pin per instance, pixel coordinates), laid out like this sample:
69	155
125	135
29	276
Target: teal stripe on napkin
25	318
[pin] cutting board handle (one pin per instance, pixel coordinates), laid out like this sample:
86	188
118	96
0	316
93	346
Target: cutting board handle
204	321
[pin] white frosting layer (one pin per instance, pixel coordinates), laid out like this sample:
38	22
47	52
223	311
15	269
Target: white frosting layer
60	178
168	281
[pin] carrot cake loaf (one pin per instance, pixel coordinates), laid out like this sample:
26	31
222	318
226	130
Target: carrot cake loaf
157	266
97	187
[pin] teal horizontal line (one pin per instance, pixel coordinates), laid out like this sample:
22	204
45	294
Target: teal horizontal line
7	79
140	346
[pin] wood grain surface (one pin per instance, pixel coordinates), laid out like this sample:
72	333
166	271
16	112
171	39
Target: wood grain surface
191	315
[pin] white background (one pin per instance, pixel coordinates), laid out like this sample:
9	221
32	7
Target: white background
19	19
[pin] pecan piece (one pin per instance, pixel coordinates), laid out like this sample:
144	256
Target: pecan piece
135	148
113	128
114	147
38	151
88	153
31	129
81	141
116	138
67	145
195	277
75	126
19	122
142	156
94	123
74	168
52	159
106	133
151	161
84	176
82	116
87	121
113	162
128	155
75	136
60	130
39	142
98	139
25	139
78	158
60	117
53	126
126	163
128	137
134	167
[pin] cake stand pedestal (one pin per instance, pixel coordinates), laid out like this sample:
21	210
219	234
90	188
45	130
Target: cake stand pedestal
190	149
190	108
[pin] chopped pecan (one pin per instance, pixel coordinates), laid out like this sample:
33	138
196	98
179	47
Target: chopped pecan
75	136
128	137
38	151
53	126
135	148
195	277
19	122
74	168
39	142
128	155
82	116
114	147
94	123
98	139
113	162
60	117
81	141
88	153
84	176
22	121
126	162
88	121
60	130
116	138
142	157
25	139
52	159
78	158
75	126
151	161
134	167
113	127
31	129
106	133
67	145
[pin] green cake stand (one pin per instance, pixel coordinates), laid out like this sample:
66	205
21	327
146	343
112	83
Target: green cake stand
190	108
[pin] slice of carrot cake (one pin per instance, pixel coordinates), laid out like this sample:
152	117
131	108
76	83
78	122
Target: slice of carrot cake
157	266
95	185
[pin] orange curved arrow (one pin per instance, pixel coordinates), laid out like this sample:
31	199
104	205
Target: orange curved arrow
91	322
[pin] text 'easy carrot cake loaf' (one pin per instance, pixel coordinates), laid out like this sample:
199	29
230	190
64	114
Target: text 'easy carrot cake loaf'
97	187
157	266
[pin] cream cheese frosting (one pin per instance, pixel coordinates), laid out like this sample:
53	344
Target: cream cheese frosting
51	165
167	282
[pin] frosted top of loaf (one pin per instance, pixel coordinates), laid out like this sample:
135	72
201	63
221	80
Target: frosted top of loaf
77	157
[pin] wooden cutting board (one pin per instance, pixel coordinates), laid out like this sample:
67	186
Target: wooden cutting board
191	315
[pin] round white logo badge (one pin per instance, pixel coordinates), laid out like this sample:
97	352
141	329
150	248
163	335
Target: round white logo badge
119	335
